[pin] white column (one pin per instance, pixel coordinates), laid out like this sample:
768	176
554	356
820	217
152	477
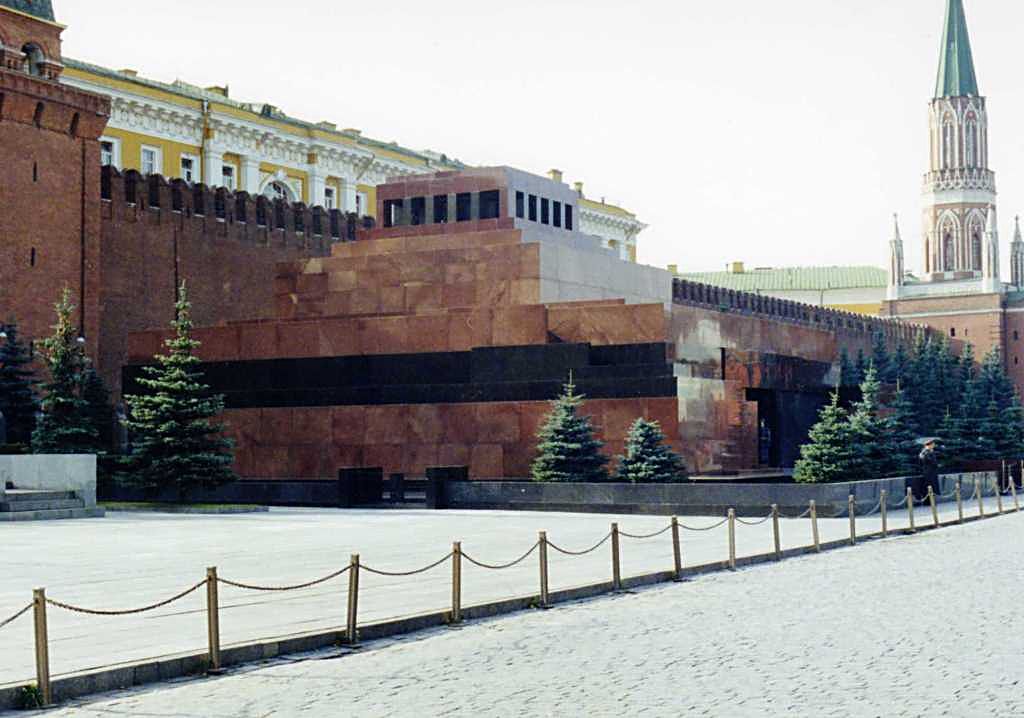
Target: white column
250	180
317	184
348	196
213	166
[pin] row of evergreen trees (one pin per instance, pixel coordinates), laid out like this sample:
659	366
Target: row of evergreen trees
569	451
973	411
175	444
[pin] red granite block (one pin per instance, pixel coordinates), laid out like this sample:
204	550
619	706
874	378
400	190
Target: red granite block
664	411
531	416
525	291
467	330
457	271
284	306
460	294
243	425
454	455
392	300
217	343
427	333
365	300
487	461
493	293
284	284
243	464
421	267
425	424
498	423
339	337
141	346
348	424
311	284
389	457
518	459
423	298
519	326
391	333
337	304
387	424
258	341
310	425
270	462
341	456
298	339
275	426
459	422
618	416
418	457
306	461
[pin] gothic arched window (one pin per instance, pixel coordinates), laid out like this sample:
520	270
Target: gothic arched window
948	252
976	250
33	59
947	142
971	142
279	190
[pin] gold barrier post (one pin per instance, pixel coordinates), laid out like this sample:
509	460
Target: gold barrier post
851	506
351	627
776	534
616	568
935	508
543	569
1013	492
885	513
910	509
814	525
959	502
457	582
677	553
212	619
732	539
42	646
981	499
999	497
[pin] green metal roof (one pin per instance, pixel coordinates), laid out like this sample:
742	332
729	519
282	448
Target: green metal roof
794	279
956	64
39	8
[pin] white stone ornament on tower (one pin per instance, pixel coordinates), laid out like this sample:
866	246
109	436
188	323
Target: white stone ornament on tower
896	264
990	255
1017	257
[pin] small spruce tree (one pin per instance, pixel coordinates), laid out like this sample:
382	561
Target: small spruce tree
65	427
566	447
17	387
176	443
880	357
827	457
898	366
868	431
901	449
648	458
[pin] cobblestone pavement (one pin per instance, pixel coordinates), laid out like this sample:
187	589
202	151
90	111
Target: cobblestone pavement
917	625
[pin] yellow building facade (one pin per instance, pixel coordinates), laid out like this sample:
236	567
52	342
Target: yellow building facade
203	135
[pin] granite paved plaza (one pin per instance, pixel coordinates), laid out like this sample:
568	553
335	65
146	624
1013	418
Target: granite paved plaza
916	625
128	560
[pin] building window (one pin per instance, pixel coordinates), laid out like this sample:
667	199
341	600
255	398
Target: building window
418	211
440	209
190	168
361	206
520	205
556	214
227	177
328	198
568	217
545	211
952	332
34	59
532	205
150	163
392	212
463	207
490	204
1016	335
110	152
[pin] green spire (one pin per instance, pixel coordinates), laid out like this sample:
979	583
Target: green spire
956	65
40	8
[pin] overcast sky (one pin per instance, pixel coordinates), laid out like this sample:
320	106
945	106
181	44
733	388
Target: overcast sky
780	134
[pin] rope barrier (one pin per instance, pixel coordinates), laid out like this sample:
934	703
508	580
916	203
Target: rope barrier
407	573
705	528
499	567
596	546
754	523
97	612
645	536
805	514
252	587
17	615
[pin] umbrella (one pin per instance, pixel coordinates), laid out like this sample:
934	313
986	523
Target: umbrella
925	440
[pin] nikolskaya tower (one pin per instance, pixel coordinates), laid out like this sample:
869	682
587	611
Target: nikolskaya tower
960	230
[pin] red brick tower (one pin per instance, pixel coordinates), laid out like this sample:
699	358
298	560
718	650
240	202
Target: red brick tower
49	175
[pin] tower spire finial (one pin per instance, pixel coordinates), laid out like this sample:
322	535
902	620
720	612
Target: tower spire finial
896	224
956	63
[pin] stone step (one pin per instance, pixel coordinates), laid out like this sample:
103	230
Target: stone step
41	505
14	495
47	515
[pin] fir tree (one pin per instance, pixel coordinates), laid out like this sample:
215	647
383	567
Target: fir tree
880	357
566	447
868	431
952	448
1010	442
898	366
176	444
17	386
827	457
947	379
65	427
846	370
900	438
648	458
860	369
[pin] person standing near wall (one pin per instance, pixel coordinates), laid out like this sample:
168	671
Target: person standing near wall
929	470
